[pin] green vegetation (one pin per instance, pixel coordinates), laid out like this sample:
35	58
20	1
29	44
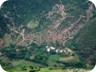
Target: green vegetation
28	26
69	59
54	57
26	66
85	46
32	24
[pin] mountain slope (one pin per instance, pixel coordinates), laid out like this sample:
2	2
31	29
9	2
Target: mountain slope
85	42
48	33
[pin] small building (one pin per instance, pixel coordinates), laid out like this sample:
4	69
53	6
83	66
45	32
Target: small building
46	46
61	51
57	50
52	48
48	49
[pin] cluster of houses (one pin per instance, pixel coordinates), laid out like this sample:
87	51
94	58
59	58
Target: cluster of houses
65	50
49	48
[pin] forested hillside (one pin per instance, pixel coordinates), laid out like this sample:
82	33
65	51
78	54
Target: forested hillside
85	42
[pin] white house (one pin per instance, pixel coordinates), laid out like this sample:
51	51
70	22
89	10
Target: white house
61	51
48	49
52	48
57	50
46	46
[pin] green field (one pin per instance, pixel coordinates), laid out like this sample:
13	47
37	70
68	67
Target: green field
32	24
27	66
